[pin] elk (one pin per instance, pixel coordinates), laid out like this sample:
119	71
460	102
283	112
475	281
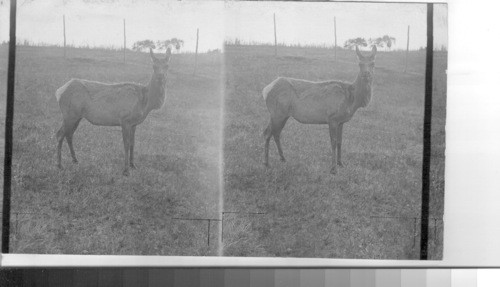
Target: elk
121	104
330	102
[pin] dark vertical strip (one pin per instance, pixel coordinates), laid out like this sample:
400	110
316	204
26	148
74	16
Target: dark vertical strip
86	277
424	228
9	121
135	277
11	277
212	277
237	278
161	277
187	277
60	277
35	277
262	278
110	277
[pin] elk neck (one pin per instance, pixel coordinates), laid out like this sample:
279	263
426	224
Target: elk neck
156	92
362	92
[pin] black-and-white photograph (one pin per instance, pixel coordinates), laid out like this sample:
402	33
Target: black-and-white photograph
227	128
323	133
117	122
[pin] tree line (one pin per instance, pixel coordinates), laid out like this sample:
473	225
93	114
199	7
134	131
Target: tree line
160	44
385	41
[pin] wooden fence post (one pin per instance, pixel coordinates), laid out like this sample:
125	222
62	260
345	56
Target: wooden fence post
335	32
64	34
275	37
407	48
196	52
124	40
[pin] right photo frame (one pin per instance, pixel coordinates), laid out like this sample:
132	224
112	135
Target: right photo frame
332	147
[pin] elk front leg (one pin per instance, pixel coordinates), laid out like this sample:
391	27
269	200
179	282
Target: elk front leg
333	127
132	143
60	138
126	131
339	145
267	135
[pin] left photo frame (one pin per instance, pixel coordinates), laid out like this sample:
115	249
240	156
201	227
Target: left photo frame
117	127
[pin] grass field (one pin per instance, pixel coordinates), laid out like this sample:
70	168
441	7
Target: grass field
90	208
369	209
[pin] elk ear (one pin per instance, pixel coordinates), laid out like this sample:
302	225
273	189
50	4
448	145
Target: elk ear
360	57
169	53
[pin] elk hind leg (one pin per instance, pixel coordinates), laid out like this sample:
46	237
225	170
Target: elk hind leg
126	132
339	146
132	143
277	127
70	130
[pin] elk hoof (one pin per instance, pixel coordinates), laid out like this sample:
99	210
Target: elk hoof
132	166
126	172
283	159
266	164
341	164
75	161
59	166
333	170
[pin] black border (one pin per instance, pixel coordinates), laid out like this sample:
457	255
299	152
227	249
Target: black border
9	121
426	161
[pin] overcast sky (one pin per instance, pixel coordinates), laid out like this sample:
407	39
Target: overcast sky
100	23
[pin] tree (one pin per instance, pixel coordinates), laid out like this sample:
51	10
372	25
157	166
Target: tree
385	41
142	45
177	43
351	43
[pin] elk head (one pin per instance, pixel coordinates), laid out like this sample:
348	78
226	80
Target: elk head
366	65
160	66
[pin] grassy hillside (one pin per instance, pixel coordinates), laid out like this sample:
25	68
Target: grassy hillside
90	208
369	209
